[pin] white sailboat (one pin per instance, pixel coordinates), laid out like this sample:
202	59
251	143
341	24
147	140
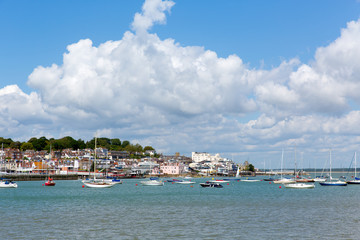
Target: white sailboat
356	180
97	183
298	185
283	180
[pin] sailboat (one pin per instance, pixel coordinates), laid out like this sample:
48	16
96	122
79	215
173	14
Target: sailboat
282	179
356	180
50	181
298	185
269	178
329	182
97	183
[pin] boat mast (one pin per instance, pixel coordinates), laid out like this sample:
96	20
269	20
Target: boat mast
282	159
95	161
330	164
295	163
355	164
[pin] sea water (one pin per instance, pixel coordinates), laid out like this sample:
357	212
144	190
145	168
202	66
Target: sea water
239	210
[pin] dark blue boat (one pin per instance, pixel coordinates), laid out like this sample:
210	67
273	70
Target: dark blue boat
211	185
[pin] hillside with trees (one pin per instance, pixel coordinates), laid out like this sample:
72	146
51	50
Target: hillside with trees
42	143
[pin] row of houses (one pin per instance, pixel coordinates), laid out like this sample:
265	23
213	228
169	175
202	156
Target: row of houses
117	163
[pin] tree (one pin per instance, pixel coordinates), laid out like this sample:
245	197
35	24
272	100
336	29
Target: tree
251	168
80	144
39	144
15	145
5	142
26	146
148	148
116	142
125	143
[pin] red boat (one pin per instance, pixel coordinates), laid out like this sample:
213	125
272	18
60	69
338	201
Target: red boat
50	182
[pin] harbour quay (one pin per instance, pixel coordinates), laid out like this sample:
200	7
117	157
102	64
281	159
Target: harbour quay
38	177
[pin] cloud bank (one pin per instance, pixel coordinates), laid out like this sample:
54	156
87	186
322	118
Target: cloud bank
183	99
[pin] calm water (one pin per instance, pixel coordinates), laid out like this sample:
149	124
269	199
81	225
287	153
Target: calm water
240	210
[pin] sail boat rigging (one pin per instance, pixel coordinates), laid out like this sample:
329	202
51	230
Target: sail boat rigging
282	179
356	180
97	183
50	181
332	183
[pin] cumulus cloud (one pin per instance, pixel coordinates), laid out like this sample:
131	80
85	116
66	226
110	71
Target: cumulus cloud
153	11
185	99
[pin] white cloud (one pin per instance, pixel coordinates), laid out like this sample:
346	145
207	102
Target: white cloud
152	12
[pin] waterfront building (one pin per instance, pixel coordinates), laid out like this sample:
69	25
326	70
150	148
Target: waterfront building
204	156
172	168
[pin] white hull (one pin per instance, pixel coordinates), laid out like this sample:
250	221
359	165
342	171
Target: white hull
353	182
284	181
185	182
219	181
152	183
113	182
299	185
98	184
8	185
319	179
250	180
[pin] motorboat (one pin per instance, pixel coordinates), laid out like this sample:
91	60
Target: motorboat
211	184
114	180
173	180
299	185
50	182
250	180
270	179
7	183
219	181
152	183
184	182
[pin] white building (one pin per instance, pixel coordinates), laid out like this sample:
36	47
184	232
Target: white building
203	156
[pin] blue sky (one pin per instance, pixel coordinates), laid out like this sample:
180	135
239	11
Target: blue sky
242	82
262	33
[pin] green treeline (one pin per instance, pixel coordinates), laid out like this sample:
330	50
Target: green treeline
68	142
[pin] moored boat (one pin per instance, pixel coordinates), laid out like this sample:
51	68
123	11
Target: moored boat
329	182
299	185
333	183
152	183
184	182
356	180
304	180
219	181
7	183
98	184
319	179
50	182
250	180
284	181
211	184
